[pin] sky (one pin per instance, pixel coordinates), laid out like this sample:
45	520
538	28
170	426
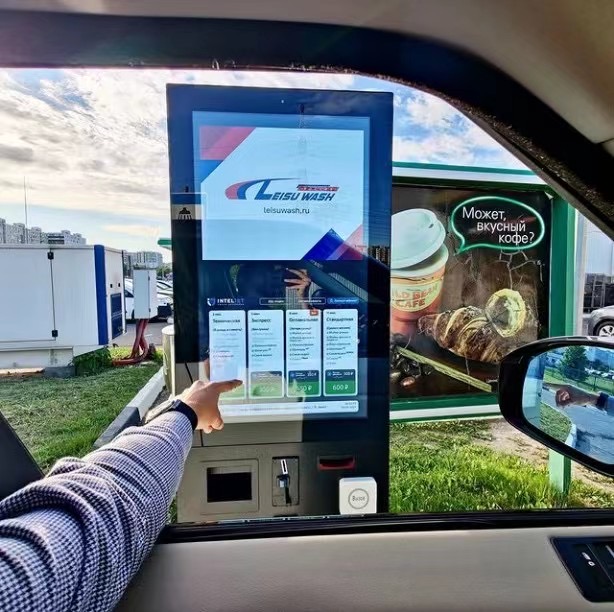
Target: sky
91	145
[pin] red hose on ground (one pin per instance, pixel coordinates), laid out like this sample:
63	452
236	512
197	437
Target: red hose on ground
140	348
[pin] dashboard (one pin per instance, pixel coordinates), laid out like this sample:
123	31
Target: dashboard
490	569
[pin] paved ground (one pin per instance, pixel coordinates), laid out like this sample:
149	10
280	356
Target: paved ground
153	334
595	429
595	432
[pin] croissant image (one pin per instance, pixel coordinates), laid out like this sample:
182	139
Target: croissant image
481	334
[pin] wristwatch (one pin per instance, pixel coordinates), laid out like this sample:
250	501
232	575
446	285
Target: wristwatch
179	406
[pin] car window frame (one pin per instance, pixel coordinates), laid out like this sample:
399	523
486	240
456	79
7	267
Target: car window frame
579	170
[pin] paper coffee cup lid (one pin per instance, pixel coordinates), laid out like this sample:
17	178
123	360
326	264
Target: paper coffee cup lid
416	235
425	268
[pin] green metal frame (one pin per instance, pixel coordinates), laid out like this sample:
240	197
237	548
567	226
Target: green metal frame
562	294
453	401
466	181
454	168
421	181
562	276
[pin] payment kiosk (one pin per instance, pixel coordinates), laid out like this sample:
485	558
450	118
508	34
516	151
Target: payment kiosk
280	203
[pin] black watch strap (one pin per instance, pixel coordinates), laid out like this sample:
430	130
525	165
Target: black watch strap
179	406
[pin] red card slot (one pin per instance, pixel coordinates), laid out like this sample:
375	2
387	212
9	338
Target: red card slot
336	463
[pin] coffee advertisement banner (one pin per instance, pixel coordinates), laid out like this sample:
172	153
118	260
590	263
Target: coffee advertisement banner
470	277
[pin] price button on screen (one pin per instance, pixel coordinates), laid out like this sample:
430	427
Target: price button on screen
303	383
340	382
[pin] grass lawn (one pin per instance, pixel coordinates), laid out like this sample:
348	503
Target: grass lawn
593	383
434	467
554	423
438	467
59	417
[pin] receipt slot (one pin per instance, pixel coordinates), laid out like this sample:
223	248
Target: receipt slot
280	207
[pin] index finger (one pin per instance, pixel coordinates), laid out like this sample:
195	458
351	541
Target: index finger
225	385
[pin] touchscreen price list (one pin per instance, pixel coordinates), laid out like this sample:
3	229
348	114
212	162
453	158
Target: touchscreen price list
227	348
303	347
266	353
340	351
249	345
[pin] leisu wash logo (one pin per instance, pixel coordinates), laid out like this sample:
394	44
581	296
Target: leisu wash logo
269	189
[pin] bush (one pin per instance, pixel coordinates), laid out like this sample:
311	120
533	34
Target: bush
122	352
93	362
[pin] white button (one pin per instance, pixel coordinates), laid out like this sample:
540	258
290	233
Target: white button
358	499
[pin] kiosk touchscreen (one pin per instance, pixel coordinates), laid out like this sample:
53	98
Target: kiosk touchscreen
281	232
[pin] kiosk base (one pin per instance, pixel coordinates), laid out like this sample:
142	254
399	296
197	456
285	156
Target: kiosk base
270	480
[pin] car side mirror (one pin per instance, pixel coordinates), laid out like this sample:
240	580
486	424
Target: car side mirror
560	392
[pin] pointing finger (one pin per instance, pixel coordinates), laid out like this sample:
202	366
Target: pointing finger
226	385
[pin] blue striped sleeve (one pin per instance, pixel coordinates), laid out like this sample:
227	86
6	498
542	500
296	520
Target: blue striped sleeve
73	540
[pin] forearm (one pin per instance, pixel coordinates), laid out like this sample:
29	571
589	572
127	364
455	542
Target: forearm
74	539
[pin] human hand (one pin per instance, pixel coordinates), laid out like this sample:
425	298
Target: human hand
202	398
300	283
567	395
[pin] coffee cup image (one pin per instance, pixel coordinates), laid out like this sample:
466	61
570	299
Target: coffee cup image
418	266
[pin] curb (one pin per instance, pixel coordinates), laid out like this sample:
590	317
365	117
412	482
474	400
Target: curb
135	410
572	438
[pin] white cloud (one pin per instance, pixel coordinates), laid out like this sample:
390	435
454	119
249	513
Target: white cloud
433	131
94	141
427	111
435	148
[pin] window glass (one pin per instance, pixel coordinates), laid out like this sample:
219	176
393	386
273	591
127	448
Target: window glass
85	162
596	256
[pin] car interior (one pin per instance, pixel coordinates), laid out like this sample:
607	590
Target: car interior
538	76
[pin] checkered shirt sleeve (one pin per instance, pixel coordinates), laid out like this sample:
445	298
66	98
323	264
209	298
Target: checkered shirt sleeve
73	540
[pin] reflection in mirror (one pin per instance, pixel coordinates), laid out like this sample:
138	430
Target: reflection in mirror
568	394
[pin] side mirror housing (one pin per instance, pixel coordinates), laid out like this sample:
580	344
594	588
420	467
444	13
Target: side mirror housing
560	392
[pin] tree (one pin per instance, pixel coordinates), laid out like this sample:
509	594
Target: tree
164	269
574	364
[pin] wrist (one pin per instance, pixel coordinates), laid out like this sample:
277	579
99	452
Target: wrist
187	410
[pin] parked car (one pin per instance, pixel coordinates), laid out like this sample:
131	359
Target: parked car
601	322
164	286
